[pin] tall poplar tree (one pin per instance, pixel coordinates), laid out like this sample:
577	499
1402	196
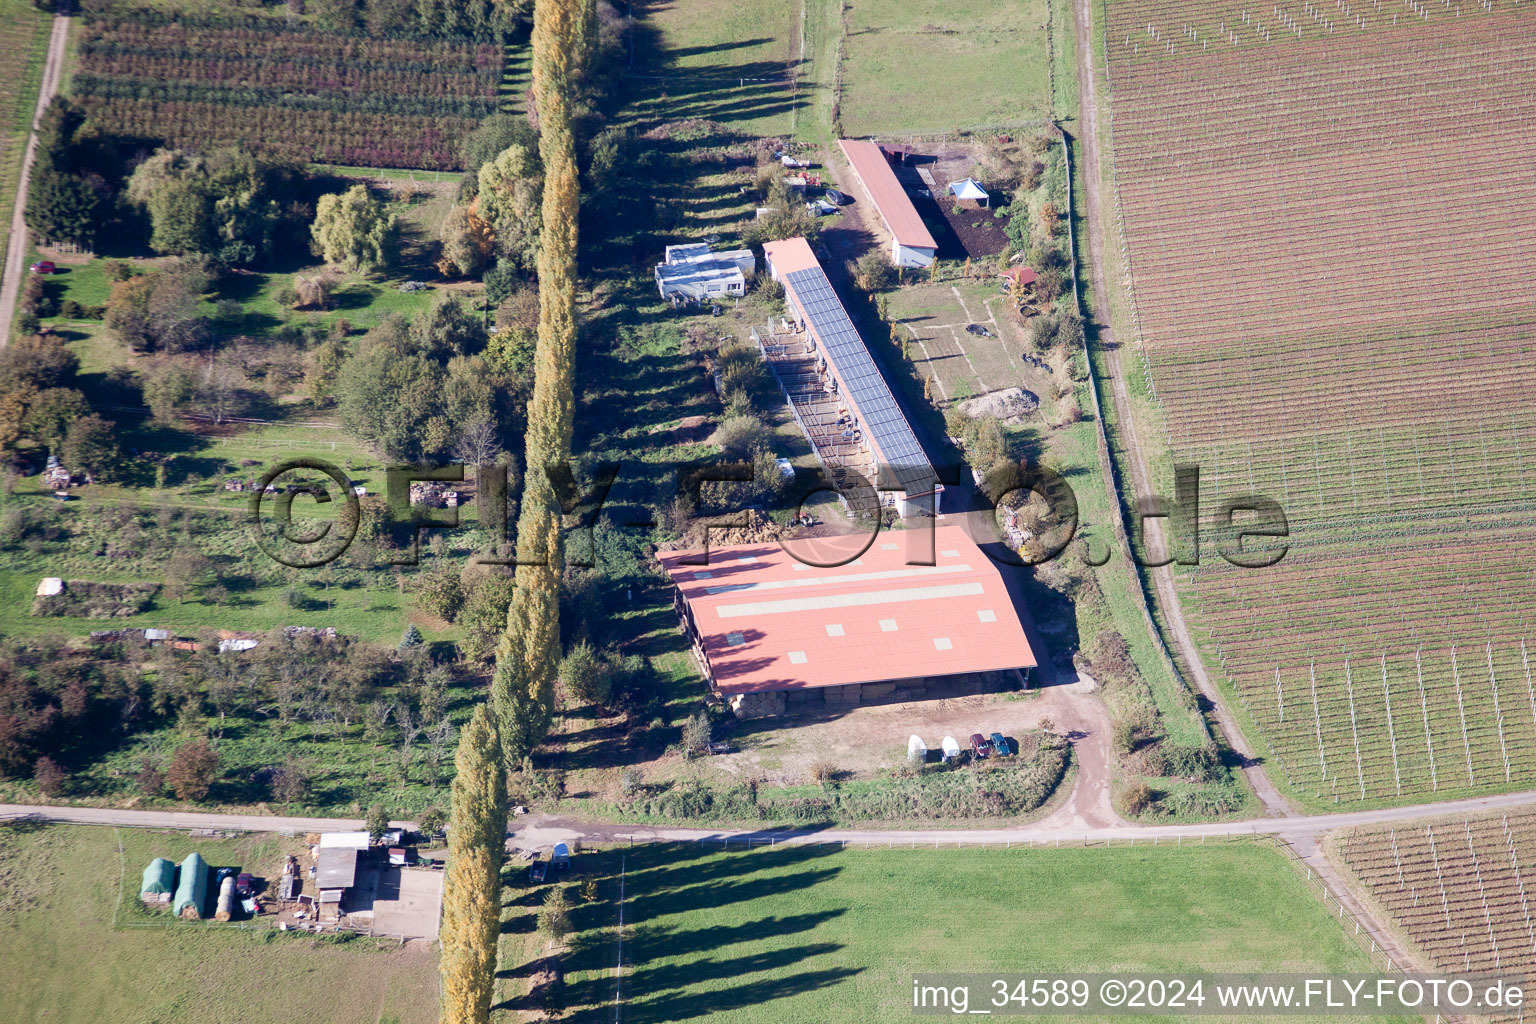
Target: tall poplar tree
529	654
472	889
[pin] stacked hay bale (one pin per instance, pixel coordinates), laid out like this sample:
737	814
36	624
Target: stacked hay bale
192	889
159	881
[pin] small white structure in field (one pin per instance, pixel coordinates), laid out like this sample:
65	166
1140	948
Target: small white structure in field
694	273
917	750
970	190
951	748
50	586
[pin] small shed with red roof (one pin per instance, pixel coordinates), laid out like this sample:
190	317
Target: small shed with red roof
1020	277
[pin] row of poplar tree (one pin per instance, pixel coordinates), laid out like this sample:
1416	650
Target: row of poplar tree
504	732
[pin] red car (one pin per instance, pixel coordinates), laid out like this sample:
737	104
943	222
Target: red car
43	267
980	745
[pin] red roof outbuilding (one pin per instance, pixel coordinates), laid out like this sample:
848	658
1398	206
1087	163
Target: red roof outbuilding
764	620
890	198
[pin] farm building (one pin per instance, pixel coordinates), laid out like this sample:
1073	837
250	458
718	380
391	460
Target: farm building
159	882
911	243
192	891
969	190
888	451
336	865
693	273
916	615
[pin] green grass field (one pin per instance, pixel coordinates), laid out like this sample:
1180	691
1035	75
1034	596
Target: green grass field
820	934
928	67
722	61
81	950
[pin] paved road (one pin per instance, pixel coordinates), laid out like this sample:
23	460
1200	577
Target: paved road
16	246
180	819
541	829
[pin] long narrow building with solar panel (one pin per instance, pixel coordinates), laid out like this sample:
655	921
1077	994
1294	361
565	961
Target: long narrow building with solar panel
867	415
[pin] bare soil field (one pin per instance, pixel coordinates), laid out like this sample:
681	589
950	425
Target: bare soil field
1331	220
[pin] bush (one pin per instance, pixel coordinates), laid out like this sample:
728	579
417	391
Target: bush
1203	764
194	768
93	600
1014	787
150	779
631	782
377	821
290	783
742	371
874	272
740	436
697	733
585	674
440	591
1139	798
50	778
824	772
1110	655
431	821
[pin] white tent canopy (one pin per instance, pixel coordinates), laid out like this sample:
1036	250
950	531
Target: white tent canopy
968	188
917	750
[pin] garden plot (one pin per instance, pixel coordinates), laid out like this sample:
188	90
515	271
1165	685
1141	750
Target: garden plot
932	321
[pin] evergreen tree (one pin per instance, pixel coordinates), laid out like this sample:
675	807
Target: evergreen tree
472	888
529	655
555	915
61	207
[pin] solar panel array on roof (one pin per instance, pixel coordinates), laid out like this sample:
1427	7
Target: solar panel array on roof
877	407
